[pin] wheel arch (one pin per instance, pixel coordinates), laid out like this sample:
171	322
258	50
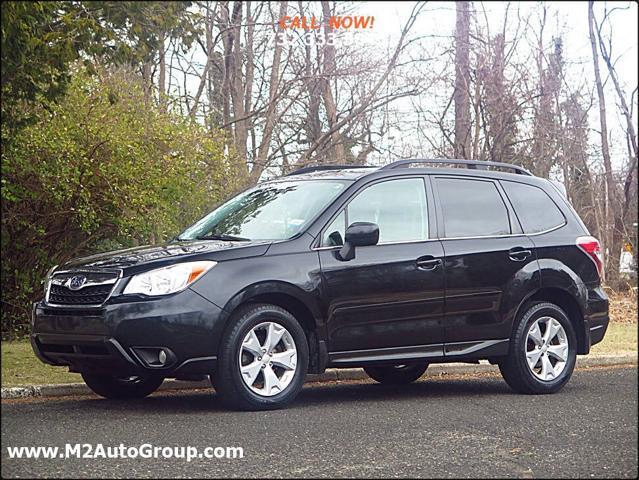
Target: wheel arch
567	301
298	303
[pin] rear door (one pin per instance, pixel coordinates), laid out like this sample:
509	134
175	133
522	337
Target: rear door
391	295
488	261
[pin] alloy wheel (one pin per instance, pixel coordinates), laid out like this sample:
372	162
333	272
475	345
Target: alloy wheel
546	348
268	359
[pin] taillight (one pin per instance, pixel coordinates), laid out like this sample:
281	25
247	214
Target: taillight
591	247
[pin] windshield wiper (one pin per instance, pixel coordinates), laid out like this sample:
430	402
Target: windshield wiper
224	237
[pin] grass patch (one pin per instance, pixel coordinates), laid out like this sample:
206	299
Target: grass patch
20	366
620	337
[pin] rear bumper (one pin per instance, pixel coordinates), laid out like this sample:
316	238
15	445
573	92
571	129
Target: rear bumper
124	337
596	316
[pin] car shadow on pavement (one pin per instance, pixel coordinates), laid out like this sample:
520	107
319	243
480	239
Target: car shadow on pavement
196	401
425	389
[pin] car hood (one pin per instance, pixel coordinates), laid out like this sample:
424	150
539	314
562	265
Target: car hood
136	259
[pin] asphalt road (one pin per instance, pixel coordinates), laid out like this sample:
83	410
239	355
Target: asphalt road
454	427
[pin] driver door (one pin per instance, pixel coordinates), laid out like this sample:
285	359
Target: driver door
391	295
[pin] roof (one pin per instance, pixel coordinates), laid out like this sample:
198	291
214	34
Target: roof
416	166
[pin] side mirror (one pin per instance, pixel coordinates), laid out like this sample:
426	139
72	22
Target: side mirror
358	234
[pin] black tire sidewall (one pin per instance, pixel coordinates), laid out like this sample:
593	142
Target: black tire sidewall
388	374
229	369
518	354
110	387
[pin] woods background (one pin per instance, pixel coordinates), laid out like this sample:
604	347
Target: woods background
122	122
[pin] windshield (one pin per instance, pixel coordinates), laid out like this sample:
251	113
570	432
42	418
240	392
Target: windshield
272	211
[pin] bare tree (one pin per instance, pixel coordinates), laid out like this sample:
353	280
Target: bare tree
631	136
370	100
270	116
462	81
506	95
605	148
605	54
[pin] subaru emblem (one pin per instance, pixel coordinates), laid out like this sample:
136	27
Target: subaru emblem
77	282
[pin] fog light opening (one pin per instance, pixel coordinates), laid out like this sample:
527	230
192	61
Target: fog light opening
155	357
162	357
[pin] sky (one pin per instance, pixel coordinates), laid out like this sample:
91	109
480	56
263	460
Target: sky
568	18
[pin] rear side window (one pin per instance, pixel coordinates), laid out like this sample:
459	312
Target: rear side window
535	209
472	208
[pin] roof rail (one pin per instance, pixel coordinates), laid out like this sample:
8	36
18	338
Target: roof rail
318	168
468	163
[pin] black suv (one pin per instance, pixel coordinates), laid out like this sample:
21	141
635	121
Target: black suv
390	269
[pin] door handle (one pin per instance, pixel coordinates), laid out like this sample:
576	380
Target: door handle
519	254
428	263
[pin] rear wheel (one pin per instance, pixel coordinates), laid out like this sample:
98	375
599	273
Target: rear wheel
122	388
542	352
396	374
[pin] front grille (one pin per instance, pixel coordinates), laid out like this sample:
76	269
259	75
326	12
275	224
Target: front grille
90	287
73	312
91	295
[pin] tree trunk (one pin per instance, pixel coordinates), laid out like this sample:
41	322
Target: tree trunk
612	259
210	93
240	123
227	43
162	77
313	125
147	73
462	81
624	105
335	144
210	16
477	101
631	135
271	111
250	65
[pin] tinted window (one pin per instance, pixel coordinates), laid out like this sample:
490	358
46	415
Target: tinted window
472	208
271	211
398	207
534	208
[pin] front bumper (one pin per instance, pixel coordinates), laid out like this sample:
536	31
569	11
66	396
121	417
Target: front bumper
122	336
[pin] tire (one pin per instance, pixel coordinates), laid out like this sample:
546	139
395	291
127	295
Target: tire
528	347
250	390
122	389
396	374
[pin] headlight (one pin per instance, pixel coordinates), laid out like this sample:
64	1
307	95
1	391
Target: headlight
163	281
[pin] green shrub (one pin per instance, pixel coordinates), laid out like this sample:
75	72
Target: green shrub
102	169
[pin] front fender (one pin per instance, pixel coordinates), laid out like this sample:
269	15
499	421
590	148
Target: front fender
275	288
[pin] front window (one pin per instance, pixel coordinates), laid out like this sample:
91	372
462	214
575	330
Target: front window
271	211
398	207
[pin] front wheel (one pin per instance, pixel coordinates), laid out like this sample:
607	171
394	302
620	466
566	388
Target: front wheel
396	374
263	359
543	351
122	388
